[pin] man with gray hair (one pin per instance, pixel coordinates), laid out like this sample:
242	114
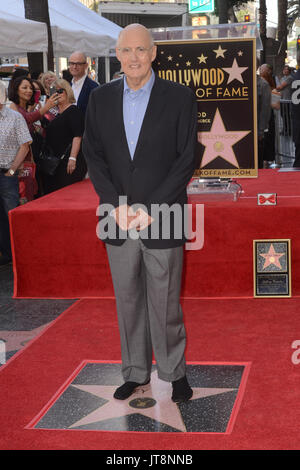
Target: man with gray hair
14	145
139	145
82	85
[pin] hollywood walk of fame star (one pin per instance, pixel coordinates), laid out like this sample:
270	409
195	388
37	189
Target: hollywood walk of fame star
218	142
16	340
272	257
235	72
220	52
202	59
152	400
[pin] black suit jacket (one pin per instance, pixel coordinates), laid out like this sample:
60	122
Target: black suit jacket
164	159
83	98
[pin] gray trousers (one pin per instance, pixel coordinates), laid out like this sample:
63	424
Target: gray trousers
147	287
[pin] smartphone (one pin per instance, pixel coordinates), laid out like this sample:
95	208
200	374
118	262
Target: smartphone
43	100
52	90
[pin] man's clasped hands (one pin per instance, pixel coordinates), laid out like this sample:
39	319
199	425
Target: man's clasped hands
127	218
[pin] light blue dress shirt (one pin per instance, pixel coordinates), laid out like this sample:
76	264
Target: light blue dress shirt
134	107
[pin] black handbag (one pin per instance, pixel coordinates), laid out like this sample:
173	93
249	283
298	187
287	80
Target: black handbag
48	161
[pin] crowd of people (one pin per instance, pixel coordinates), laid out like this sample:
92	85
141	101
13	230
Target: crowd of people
53	111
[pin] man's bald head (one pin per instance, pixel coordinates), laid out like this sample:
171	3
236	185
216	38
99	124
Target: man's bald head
136	51
135	28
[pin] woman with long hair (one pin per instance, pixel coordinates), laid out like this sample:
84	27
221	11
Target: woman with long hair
22	96
47	79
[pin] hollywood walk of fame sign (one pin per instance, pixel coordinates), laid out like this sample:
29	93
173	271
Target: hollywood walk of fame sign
221	72
272	268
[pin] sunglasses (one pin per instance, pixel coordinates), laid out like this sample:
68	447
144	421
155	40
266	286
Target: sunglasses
60	91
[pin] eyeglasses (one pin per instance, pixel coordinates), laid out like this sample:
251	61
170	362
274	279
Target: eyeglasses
60	91
139	51
73	64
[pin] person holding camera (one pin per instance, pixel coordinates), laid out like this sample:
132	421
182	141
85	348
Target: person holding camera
64	135
22	95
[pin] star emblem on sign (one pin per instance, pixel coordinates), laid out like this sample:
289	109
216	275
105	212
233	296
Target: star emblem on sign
235	72
272	257
220	52
152	400
202	59
218	142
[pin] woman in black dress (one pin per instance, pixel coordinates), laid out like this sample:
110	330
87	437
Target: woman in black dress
64	134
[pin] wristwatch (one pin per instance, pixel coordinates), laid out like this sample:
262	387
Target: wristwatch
11	172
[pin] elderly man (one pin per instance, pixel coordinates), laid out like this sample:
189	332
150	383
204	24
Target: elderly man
14	145
139	146
82	85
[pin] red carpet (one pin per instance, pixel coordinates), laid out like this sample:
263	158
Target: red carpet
260	331
57	253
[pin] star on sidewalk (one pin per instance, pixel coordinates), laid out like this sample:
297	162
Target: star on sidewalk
272	257
235	72
152	400
16	340
218	142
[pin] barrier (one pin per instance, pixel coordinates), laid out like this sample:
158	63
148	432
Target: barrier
284	145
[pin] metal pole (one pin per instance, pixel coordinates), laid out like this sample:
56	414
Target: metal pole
107	69
45	62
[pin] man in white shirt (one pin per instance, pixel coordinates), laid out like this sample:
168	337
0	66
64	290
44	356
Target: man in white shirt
14	145
82	85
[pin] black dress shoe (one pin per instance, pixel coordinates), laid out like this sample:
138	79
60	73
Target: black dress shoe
127	389
181	390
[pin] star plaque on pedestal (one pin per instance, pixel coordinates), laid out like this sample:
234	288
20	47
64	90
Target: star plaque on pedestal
272	268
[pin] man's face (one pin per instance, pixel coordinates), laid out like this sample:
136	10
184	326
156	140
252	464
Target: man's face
135	53
77	65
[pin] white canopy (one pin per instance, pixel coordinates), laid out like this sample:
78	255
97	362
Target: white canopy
74	27
19	36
